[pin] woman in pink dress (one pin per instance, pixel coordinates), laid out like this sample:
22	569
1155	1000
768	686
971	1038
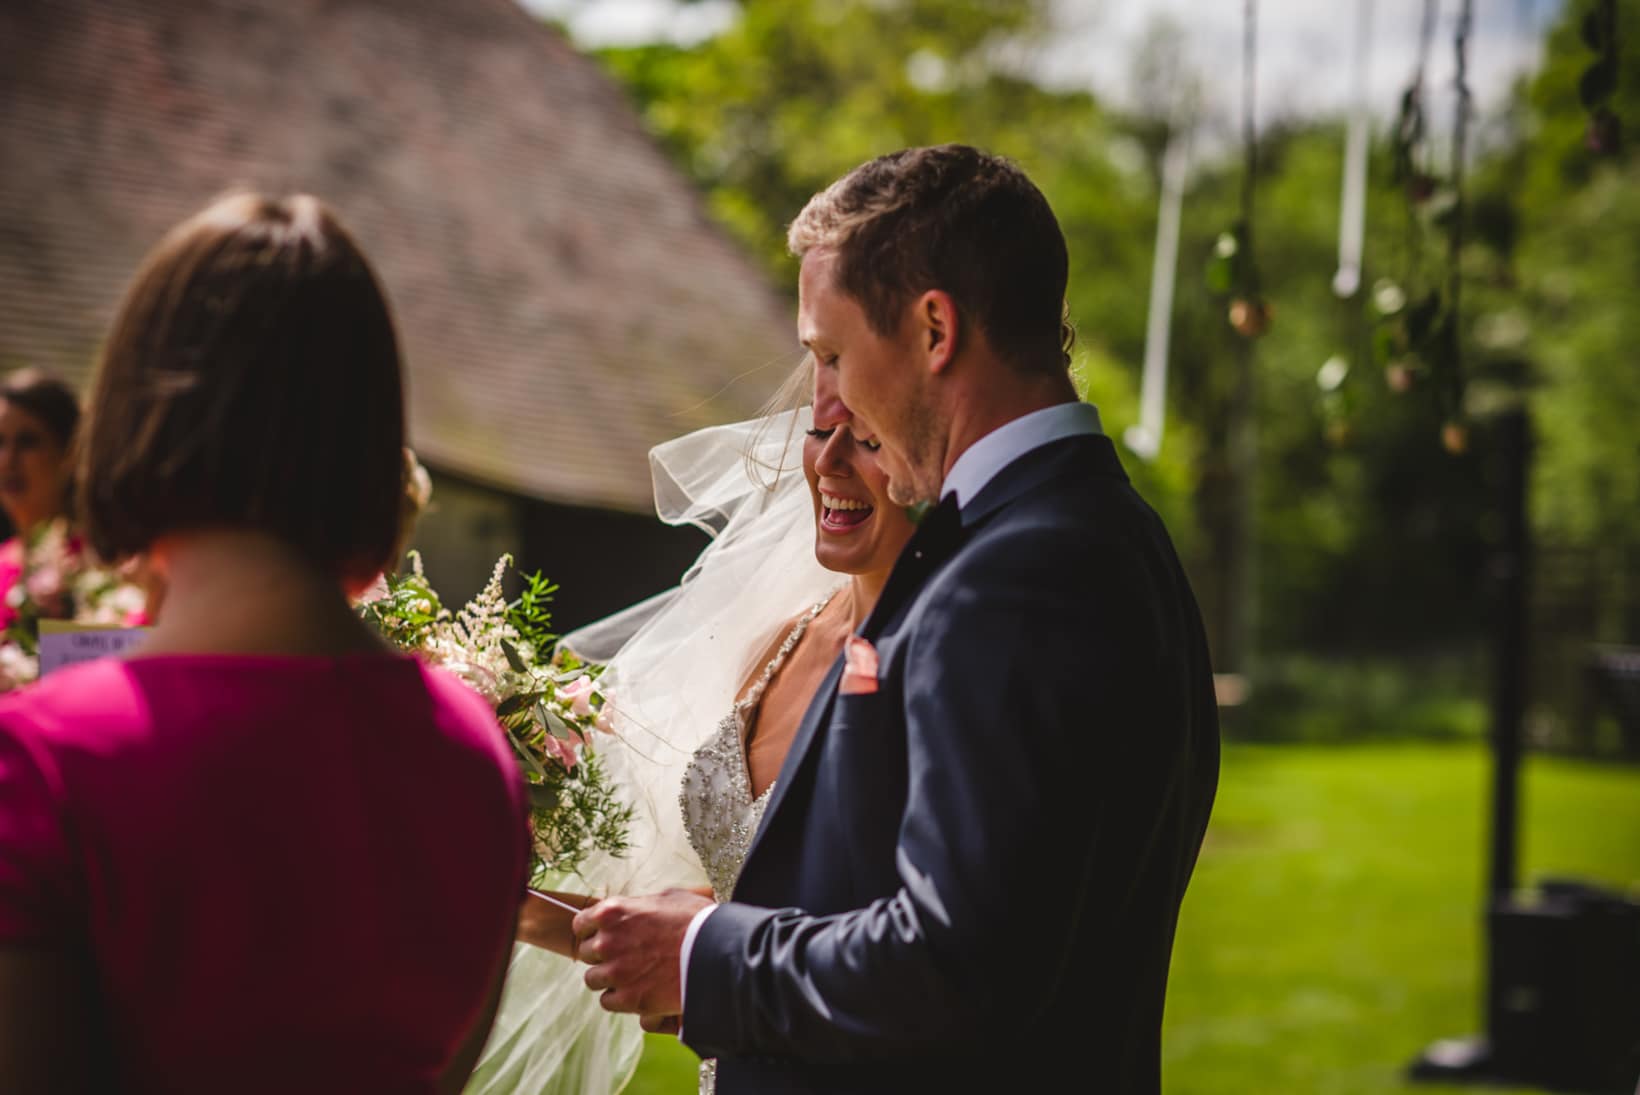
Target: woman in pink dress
263	853
38	416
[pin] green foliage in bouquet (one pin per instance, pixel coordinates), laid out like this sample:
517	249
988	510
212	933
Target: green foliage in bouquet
545	698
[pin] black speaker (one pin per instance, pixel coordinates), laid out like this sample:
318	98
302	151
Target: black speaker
1563	988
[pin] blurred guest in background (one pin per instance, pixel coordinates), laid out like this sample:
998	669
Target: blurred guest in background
45	571
38	416
205	845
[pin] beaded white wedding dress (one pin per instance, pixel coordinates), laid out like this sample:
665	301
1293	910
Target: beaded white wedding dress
720	813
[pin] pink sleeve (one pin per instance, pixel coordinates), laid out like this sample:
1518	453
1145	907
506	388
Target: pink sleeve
460	699
34	855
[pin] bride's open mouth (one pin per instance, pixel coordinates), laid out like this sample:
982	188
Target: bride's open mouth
841	515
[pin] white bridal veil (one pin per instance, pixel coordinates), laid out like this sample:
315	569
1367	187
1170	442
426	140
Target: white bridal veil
675	664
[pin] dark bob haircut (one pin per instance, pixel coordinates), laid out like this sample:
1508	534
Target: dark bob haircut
251	380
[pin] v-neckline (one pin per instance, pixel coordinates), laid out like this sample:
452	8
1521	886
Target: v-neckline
753	700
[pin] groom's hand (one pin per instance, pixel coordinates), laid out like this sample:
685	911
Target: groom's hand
633	946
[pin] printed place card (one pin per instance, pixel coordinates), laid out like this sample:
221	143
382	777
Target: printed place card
63	642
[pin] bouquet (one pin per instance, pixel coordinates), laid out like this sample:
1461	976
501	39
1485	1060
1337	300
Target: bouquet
546	699
48	574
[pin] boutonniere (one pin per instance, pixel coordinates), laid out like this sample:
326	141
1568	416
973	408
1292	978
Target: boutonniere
916	511
859	667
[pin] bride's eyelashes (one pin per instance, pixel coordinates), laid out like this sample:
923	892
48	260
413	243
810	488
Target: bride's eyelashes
870	445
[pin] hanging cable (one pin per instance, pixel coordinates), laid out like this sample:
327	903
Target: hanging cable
1249	137
1452	388
1249	313
1411	125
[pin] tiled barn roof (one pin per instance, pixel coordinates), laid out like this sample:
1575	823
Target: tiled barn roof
564	300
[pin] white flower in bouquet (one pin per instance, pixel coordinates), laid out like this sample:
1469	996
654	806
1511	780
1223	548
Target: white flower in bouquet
471	643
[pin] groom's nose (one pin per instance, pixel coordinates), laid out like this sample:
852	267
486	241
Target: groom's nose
829	409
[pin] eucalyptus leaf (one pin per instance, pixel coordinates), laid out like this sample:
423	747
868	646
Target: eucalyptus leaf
514	659
520	701
525	755
556	726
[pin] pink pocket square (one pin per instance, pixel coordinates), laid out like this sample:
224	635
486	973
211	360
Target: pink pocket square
859	668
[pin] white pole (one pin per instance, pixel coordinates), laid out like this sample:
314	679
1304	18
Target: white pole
1145	438
1353	205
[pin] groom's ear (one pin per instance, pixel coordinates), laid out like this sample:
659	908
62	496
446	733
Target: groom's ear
937	326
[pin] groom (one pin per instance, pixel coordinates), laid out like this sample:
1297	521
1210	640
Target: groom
970	871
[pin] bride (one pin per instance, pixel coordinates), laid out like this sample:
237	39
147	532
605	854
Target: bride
706	685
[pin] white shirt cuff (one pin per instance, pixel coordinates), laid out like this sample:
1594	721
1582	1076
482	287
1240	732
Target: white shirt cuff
683	957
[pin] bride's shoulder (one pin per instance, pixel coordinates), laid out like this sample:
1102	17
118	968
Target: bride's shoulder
766	652
814	636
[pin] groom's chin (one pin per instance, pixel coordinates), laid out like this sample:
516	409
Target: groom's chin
902	493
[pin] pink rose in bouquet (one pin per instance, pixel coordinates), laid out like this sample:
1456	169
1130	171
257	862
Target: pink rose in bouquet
578	694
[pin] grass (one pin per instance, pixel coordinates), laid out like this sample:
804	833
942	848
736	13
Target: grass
1332	930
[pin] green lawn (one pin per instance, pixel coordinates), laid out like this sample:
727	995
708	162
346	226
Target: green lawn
1333	927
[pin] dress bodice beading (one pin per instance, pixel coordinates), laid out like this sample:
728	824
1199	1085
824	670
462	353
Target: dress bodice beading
720	813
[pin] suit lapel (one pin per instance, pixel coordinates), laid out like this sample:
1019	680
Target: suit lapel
817	715
936	537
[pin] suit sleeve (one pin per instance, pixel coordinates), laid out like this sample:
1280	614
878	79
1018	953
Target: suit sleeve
1024	685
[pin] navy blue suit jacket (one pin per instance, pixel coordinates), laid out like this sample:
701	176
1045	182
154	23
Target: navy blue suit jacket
972	876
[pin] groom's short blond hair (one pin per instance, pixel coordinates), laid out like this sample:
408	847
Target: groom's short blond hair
953	218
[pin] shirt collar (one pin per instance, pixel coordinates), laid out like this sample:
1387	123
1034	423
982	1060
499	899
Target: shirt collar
982	460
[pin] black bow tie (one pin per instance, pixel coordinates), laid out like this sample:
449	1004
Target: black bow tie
937	525
918	512
939	530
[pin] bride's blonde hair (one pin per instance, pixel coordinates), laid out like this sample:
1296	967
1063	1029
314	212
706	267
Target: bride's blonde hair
796	391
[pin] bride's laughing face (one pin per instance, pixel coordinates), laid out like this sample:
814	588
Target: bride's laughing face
857	530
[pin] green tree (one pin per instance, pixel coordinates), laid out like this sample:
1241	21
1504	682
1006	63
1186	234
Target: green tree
1370	532
797	92
1572	310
